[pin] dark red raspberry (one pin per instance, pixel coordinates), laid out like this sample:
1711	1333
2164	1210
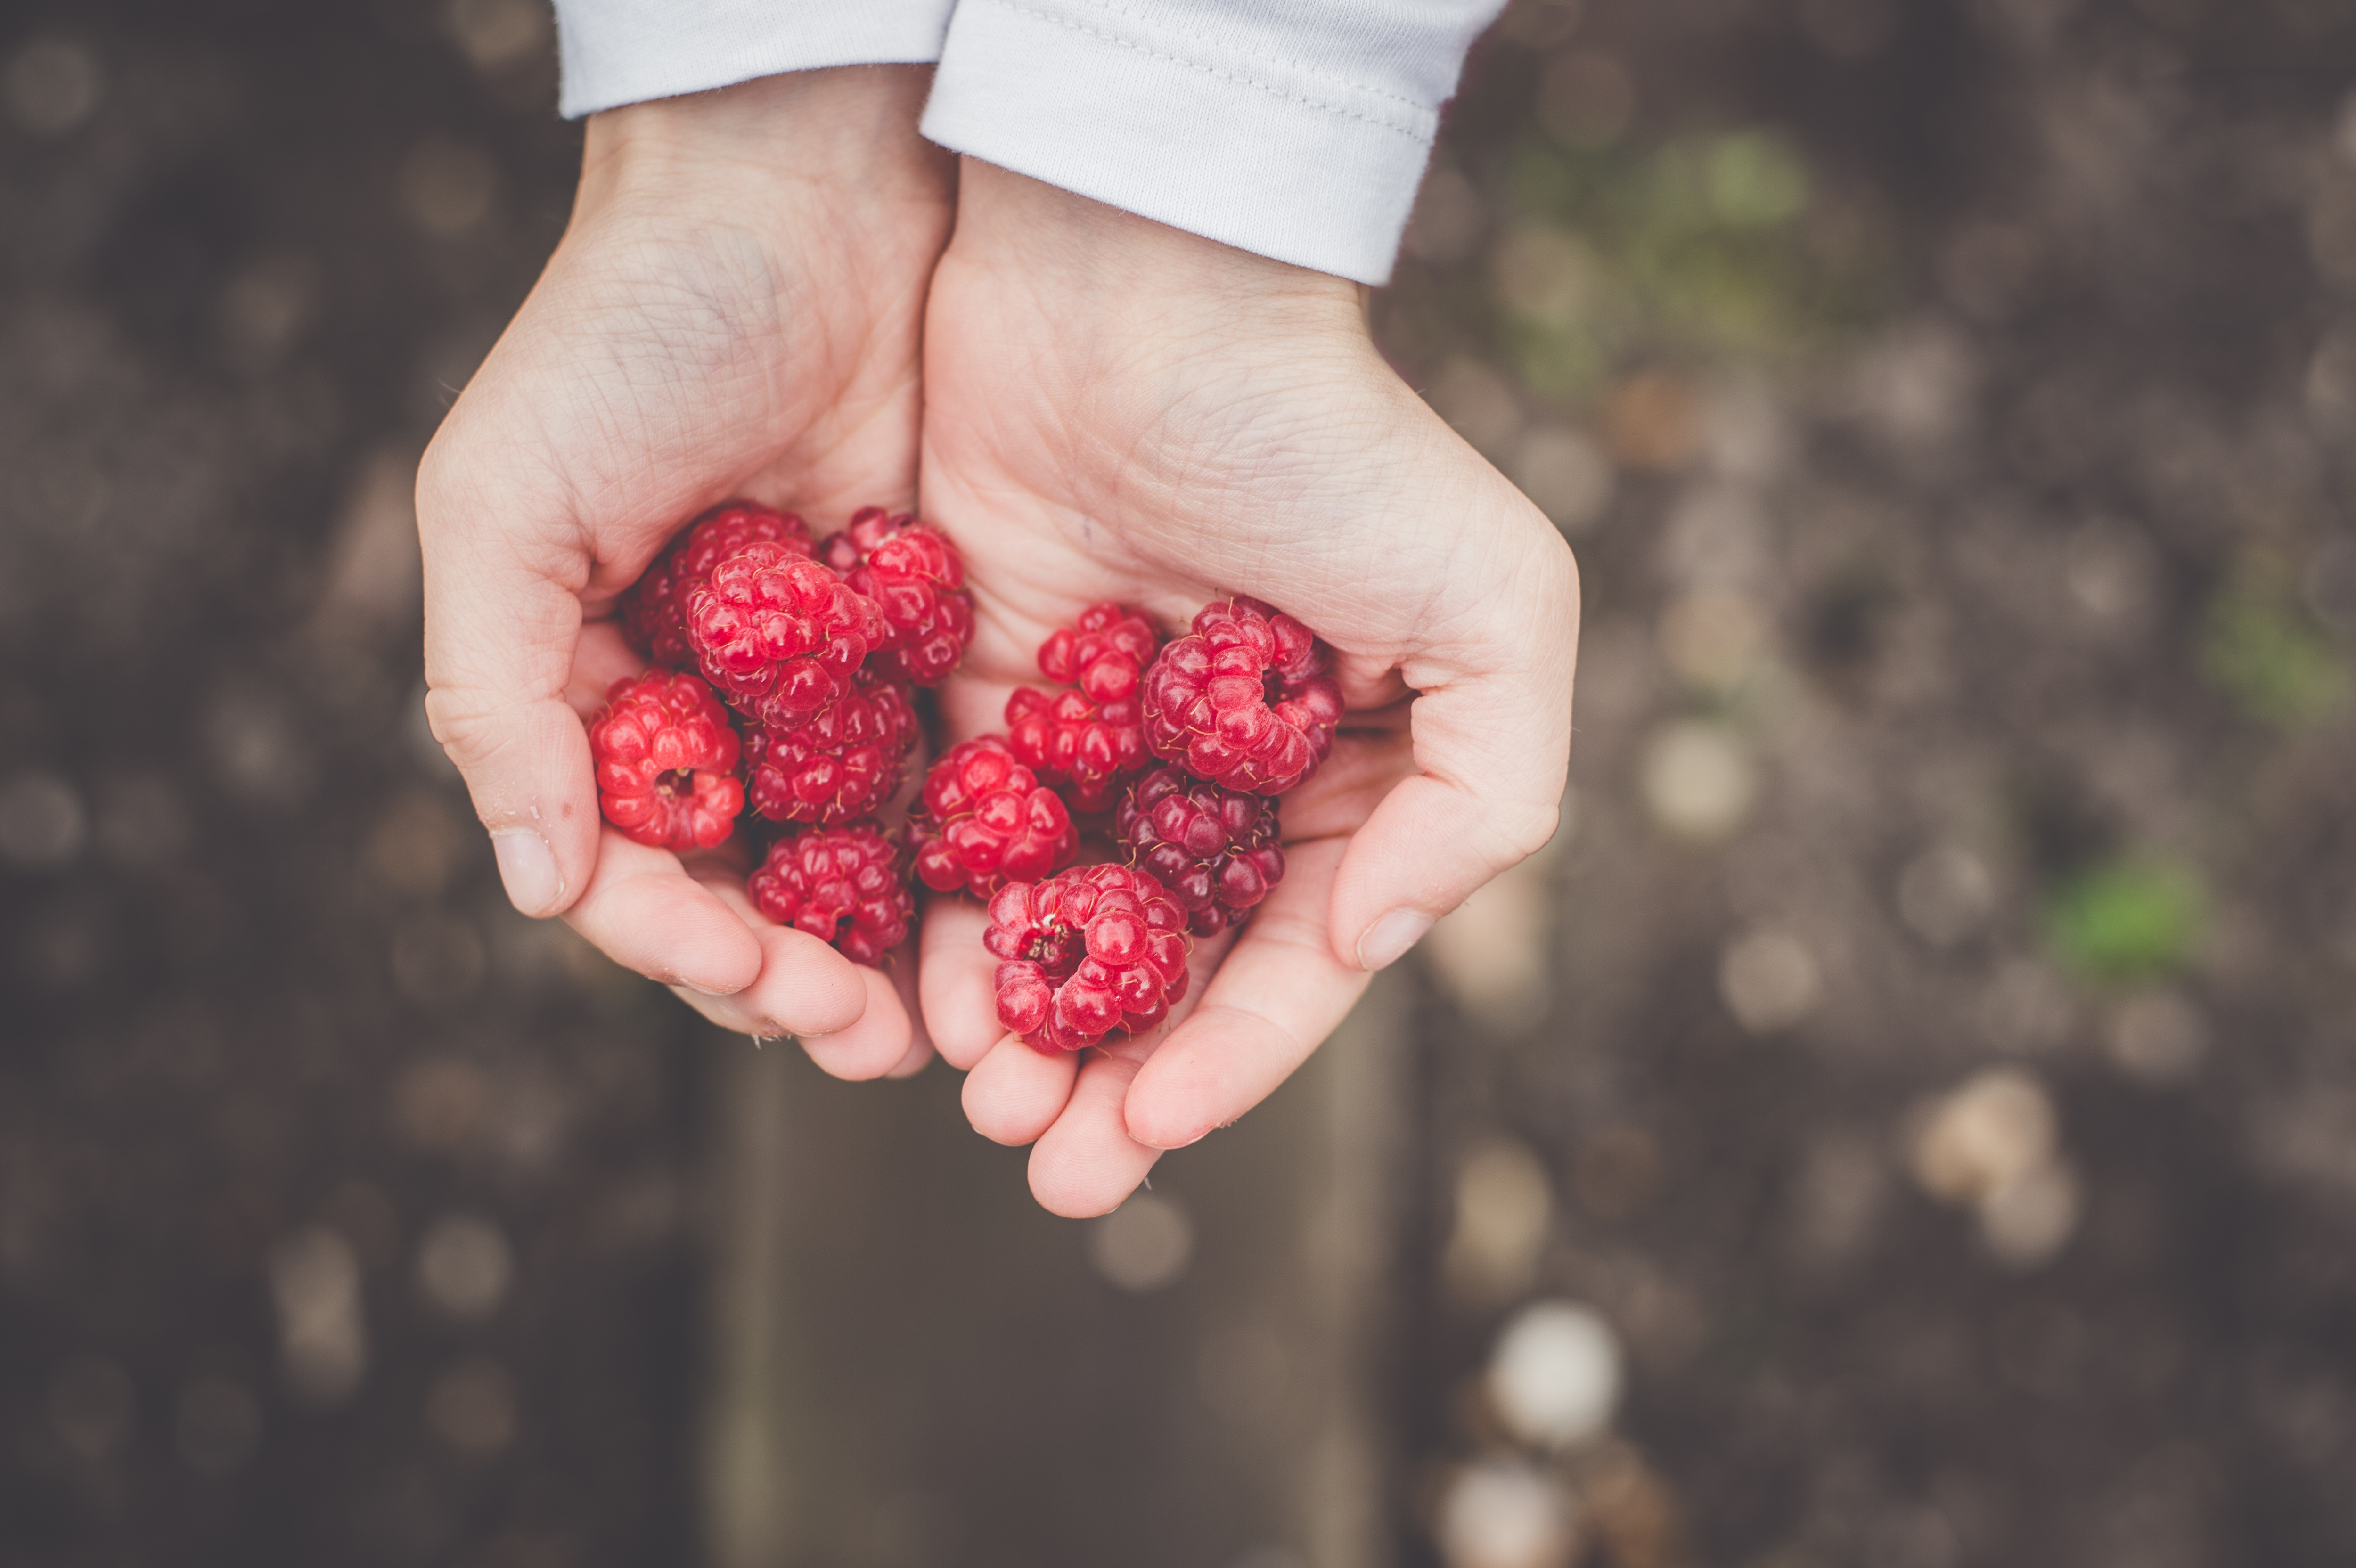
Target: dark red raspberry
654	611
1216	849
985	820
1244	700
666	761
840	884
915	574
1091	735
778	632
845	762
1094	949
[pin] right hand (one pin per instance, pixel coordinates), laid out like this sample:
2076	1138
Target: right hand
736	309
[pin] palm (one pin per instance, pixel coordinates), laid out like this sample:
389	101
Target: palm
1165	453
683	346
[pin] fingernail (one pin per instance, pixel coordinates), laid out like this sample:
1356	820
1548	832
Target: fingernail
527	869
1388	940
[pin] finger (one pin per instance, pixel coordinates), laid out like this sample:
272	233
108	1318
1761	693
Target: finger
1492	737
500	622
873	1046
1015	1093
902	970
956	983
641	909
1281	992
1087	1164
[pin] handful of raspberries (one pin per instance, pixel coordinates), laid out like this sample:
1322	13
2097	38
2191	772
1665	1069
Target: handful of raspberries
786	674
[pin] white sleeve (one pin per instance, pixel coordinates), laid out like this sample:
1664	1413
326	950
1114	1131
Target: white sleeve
1293	129
627	51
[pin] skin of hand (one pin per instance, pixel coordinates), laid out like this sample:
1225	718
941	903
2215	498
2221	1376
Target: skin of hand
1119	411
735	310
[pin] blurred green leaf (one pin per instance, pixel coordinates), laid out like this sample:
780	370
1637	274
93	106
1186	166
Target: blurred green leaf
2128	919
2264	655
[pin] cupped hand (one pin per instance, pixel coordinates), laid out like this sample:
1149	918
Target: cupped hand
736	309
1118	411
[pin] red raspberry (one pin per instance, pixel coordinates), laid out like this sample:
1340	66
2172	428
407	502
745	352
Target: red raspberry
654	612
1092	735
1216	849
666	761
844	762
985	820
778	632
842	885
915	574
1244	700
1094	949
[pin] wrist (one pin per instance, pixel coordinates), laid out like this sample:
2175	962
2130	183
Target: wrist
1103	269
842	140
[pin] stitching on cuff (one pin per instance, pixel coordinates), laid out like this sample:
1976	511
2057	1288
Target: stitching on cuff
1132	14
1413	134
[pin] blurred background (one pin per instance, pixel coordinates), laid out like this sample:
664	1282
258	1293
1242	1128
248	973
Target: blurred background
1906	1120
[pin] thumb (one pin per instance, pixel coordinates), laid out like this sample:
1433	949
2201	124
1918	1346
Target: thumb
1491	726
500	626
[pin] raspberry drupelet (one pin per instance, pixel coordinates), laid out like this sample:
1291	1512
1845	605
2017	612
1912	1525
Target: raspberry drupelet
917	578
1092	734
779	634
1216	849
1244	700
845	762
1090	950
985	819
666	761
654	611
841	885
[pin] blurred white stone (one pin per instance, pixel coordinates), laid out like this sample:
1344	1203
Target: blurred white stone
1478	403
1447	220
1545	276
254	751
447	186
42	823
1990	1132
1697	781
1554	1374
472	1407
1713	638
2027	1222
495	34
93	1409
2158	1038
1504	1207
1915	386
1769	980
1745	434
321	1339
1143	1245
464	1267
1945	894
2332	384
1716	536
1566	475
1499	1515
218	1428
1491	953
51	86
2111	574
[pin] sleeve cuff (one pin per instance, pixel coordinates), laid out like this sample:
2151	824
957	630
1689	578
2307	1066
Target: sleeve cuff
627	51
1244	147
